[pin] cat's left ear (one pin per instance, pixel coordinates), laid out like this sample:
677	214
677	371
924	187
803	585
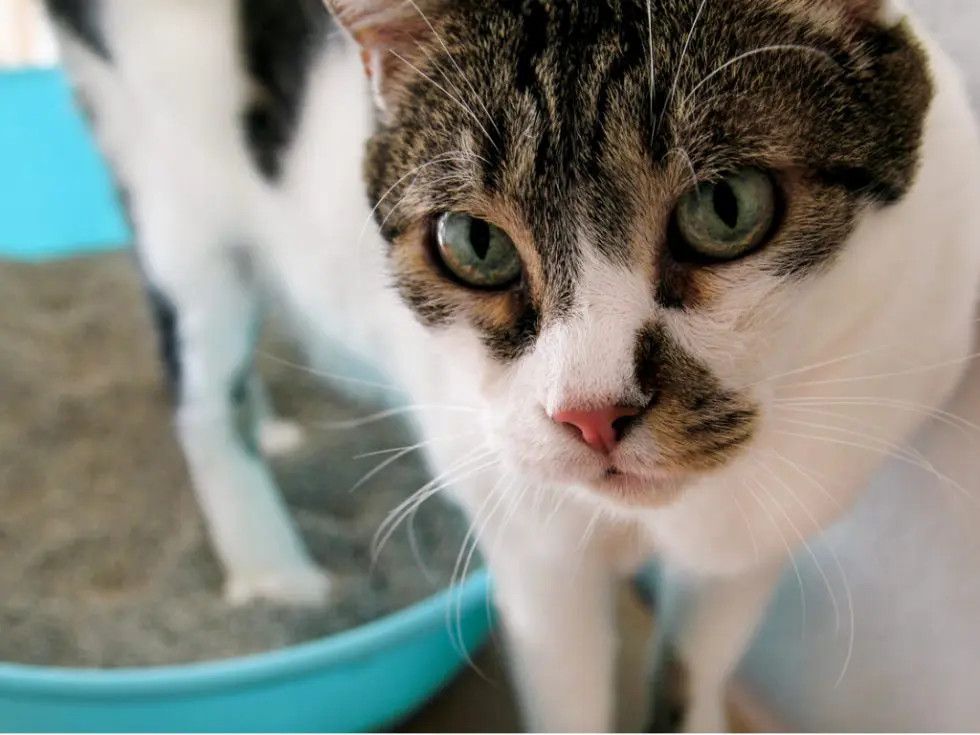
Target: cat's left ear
887	13
392	35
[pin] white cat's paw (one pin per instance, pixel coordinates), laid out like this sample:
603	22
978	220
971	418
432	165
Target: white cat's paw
708	717
278	437
294	586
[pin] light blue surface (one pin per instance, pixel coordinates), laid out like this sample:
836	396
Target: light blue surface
56	199
363	680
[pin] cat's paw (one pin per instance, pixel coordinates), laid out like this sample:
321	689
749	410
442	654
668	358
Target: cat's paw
294	586
278	437
705	717
669	695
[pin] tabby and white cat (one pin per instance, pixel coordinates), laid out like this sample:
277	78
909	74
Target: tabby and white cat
623	251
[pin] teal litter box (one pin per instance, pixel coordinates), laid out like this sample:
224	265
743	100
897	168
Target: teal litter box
57	200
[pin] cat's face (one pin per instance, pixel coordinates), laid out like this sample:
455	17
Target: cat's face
609	210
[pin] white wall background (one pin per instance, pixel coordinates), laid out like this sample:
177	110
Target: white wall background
911	557
25	38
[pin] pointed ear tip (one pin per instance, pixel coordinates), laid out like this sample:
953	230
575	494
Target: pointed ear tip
889	11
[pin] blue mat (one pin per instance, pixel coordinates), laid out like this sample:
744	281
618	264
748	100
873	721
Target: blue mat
56	196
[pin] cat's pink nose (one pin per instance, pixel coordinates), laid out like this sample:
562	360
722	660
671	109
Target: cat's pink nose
597	428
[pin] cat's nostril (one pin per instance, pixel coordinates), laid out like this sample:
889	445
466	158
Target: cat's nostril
601	429
624	424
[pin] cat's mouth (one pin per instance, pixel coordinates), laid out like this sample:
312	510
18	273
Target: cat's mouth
636	489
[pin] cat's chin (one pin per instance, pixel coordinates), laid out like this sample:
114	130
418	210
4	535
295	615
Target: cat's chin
648	487
635	490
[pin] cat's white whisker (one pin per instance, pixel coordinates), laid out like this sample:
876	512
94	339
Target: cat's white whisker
897	451
397	454
454	177
789	554
945	417
833	361
441	158
466	108
818	365
687	159
590	528
478	524
514	503
848	596
803	537
912	458
413	447
902	453
381	467
452	60
807	475
460	471
390	413
331	376
680	64
653	66
893	374
824	577
775	48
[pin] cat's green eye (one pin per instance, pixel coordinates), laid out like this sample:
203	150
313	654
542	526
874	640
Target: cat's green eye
478	253
729	218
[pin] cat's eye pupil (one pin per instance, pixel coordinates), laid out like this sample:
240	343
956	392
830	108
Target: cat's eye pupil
480	238
476	252
726	204
723	220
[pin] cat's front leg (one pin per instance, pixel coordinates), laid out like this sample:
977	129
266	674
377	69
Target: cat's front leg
276	436
710	621
208	315
558	611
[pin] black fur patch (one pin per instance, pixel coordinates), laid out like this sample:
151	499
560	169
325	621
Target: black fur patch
281	41
698	422
244	404
510	342
84	19
165	318
163	313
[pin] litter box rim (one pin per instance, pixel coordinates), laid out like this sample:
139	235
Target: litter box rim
353	644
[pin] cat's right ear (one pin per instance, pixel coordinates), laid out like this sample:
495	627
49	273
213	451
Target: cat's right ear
392	35
885	12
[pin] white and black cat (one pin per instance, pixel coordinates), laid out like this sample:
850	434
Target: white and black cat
621	249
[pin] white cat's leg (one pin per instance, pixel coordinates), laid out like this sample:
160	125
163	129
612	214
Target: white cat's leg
277	436
213	317
558	614
711	622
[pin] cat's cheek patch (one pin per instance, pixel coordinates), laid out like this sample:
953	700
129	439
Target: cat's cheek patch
428	294
507	321
695	423
508	340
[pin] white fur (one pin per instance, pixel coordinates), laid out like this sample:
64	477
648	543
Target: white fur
899	303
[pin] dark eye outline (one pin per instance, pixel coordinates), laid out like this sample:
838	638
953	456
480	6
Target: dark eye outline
435	253
683	252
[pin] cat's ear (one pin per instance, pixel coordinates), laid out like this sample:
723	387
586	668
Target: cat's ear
887	13
391	35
